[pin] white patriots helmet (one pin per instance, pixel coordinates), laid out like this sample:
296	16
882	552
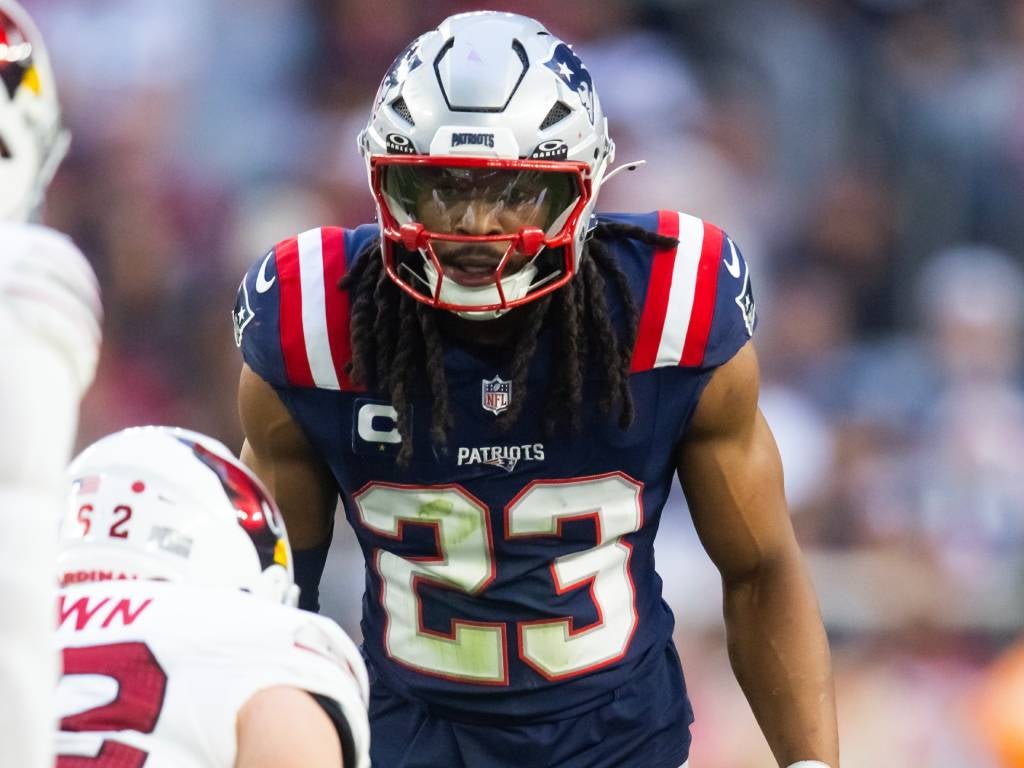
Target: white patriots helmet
170	504
33	140
487	100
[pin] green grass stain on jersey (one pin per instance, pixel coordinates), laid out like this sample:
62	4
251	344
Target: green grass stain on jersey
458	523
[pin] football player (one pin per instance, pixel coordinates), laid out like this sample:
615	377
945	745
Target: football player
50	326
501	385
177	627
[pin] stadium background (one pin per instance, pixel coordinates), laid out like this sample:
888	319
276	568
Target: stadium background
867	155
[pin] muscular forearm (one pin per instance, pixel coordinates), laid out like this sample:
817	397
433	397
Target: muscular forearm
277	450
780	655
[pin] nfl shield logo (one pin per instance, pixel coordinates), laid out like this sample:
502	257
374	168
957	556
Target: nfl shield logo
496	394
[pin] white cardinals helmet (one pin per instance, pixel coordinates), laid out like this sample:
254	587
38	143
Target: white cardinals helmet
174	505
488	108
32	138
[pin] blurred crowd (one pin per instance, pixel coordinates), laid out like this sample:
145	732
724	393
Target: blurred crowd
866	155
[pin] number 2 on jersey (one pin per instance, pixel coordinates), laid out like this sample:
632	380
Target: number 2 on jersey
141	683
464	561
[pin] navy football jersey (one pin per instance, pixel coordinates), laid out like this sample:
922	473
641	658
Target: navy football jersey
514	575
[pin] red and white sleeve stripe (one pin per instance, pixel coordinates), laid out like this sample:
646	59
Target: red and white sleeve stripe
680	304
313	311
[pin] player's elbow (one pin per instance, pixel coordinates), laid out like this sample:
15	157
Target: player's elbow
766	566
284	727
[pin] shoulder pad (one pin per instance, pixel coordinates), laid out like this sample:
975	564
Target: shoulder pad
291	319
699	306
51	293
31	252
319	635
345	681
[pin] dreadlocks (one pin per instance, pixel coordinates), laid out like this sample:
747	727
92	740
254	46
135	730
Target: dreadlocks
397	348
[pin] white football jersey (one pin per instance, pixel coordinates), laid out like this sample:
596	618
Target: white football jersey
156	672
50	335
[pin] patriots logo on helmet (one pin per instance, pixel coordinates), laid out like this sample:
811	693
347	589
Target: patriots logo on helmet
407	61
570	69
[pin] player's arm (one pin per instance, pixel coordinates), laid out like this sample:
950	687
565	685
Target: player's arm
732	476
284	727
302	484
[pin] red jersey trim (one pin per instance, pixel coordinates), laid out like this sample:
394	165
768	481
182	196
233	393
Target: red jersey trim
652	320
293	340
336	303
706	291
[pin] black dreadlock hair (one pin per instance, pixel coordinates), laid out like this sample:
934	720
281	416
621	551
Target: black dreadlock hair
397	348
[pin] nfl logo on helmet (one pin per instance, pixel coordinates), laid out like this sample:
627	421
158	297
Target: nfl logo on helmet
496	394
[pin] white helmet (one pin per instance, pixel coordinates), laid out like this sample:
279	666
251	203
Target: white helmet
173	505
32	139
488	104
